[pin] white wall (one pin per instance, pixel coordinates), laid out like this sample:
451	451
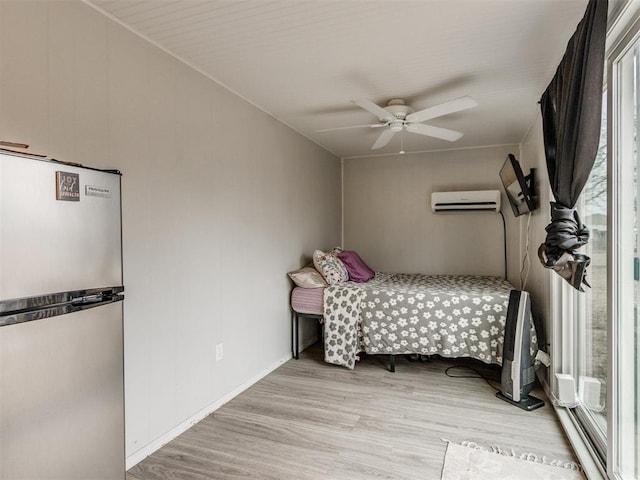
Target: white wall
539	282
219	200
388	217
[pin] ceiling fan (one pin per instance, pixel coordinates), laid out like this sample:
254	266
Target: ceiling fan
398	116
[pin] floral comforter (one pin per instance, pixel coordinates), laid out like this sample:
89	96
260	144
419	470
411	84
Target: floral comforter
452	316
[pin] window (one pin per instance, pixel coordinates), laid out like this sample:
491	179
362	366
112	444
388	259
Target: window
601	346
624	293
590	330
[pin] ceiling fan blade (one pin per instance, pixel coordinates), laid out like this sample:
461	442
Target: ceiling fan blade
437	132
370	125
378	111
445	108
383	139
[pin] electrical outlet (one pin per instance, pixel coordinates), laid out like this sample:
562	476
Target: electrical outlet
219	352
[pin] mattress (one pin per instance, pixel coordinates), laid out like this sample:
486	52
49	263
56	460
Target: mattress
308	300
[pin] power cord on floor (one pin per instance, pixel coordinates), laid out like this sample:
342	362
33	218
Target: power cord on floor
477	375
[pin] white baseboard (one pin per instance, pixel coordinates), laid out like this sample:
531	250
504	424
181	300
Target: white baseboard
542	375
159	442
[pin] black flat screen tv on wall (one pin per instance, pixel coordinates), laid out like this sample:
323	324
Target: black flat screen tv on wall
519	188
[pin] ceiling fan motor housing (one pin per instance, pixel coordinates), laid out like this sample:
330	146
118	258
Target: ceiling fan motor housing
398	109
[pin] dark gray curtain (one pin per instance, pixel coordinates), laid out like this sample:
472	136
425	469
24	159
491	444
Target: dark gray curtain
571	114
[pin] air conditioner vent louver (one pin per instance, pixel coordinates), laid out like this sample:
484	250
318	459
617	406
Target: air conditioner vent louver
478	201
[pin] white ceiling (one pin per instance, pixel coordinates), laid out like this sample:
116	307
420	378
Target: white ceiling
304	61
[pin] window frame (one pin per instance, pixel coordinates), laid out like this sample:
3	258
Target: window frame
616	289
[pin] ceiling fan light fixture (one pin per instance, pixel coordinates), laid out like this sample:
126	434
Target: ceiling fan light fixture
396	126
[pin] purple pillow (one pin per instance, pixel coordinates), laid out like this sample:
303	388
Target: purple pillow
357	269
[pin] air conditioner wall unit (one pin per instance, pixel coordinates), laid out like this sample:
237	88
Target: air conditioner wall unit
470	201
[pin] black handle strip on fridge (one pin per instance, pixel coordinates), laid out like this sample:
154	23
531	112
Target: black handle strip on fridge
79	165
54	311
20	305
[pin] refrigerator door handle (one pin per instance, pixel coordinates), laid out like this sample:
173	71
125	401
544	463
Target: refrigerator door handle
53	311
19	305
86	299
97	302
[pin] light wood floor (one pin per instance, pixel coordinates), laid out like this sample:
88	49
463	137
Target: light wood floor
311	420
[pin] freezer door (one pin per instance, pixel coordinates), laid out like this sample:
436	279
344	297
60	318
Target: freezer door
61	397
49	245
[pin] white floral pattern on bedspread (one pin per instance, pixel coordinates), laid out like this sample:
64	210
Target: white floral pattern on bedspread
453	316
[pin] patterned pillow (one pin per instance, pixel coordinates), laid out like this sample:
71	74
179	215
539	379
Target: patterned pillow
330	266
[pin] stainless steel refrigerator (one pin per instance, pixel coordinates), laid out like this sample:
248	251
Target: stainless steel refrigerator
61	338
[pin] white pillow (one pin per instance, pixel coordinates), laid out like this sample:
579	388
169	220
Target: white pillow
307	277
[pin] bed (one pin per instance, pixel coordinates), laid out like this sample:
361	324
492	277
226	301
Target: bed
398	313
394	313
